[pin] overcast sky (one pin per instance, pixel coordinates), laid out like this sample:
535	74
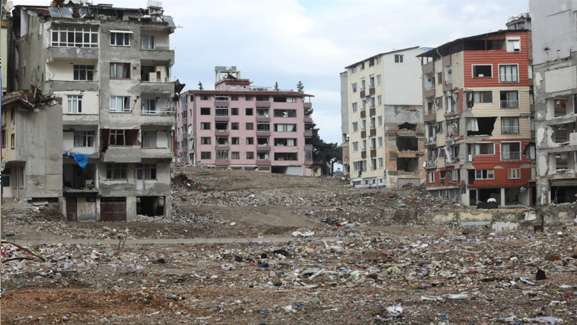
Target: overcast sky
288	41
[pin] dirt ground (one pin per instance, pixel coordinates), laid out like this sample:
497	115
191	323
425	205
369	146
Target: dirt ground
382	268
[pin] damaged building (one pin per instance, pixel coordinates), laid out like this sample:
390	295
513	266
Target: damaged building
382	120
108	69
245	127
555	67
478	110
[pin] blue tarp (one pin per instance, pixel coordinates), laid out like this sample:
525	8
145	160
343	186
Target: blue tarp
81	159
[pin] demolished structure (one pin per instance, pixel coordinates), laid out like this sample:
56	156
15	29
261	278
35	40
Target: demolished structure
240	126
555	66
382	126
478	119
109	68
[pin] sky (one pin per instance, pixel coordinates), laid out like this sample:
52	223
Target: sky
288	41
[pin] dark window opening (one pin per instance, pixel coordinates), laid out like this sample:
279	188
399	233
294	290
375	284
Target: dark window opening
410	165
482	45
482	126
482	71
205	111
280	99
145	72
408	144
150	206
222	127
248	112
486	194
563	194
408	127
262	142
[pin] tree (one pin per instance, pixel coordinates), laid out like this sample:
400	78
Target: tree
325	153
276	86
200	86
300	87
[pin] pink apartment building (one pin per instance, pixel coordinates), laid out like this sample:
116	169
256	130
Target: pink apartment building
239	126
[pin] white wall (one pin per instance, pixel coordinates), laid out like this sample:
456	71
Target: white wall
89	101
402	81
553	26
63	70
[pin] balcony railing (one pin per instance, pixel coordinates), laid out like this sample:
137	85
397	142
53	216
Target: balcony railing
510	156
509	104
221	130
156	112
510	129
429	87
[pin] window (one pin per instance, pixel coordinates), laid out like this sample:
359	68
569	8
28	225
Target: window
285	156
250	155
454	175
184	100
148	42
205	155
205	140
484	149
511	151
354	107
262	113
235	155
149	106
354	70
222	155
355	146
285	127
380	162
83	72
250	126
509	99
354	87
380	141
513	44
234	98
509	73
398	58
233	111
149	139
439	78
509	125
482	71
355	126
379	100
120	39
379	120
116	171
3	138
204	97
205	111
263	99
205	125
484	174
75	36
378	79
149	170
440	127
248	98
234	126
262	155
120	70
221	111
74	104
431	177
514	173
248	112
285	113
235	141
12	141
285	142
119	104
117	138
483	96
84	138
262	126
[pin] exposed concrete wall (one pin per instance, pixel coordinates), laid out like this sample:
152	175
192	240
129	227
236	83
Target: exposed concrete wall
553	25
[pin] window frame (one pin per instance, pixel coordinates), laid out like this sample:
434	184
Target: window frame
399	58
482	95
114	37
514	173
88	70
516	65
116	171
125	67
60	31
478	65
75	99
150	37
482	176
87	137
125	100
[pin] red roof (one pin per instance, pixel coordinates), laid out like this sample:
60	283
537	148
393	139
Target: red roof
23	97
249	93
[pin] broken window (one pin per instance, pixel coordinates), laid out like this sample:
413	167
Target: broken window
262	113
117	137
482	71
483	96
145	72
408	127
453	128
480	126
410	165
511	151
509	99
408	144
262	142
563	194
222	142
509	125
485	194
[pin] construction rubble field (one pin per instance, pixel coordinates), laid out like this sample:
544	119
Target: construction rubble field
252	248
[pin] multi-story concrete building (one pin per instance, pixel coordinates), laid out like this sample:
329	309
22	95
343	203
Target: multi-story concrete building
555	70
385	122
345	122
240	126
110	69
478	119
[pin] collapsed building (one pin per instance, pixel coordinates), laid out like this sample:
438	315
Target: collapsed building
102	145
555	66
478	113
382	121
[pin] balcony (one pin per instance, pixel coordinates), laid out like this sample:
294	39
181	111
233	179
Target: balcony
221	103
308	119
221	118
373	153
263	162
363	134
71	53
308	133
157	117
307	105
157	153
64	85
511	156
373	132
222	132
262	104
363	92
158	55
222	162
122	154
364	153
509	104
363	114
371	89
373	112
157	88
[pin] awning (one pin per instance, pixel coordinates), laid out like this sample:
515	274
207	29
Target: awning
121	31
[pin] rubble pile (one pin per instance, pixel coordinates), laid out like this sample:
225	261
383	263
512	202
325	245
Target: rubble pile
445	278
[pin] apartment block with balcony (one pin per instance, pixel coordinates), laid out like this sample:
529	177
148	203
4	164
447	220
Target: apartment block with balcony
555	69
240	126
478	120
381	103
110	69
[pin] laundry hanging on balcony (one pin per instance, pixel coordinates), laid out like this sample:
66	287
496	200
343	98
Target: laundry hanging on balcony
472	125
81	159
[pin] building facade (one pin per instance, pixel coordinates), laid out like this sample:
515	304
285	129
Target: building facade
384	122
555	69
240	126
110	69
478	119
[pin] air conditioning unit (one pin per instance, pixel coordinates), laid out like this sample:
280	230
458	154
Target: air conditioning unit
471	157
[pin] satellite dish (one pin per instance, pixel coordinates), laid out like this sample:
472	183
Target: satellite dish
523	189
10	4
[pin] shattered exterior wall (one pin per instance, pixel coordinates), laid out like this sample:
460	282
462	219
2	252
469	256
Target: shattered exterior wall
394	98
